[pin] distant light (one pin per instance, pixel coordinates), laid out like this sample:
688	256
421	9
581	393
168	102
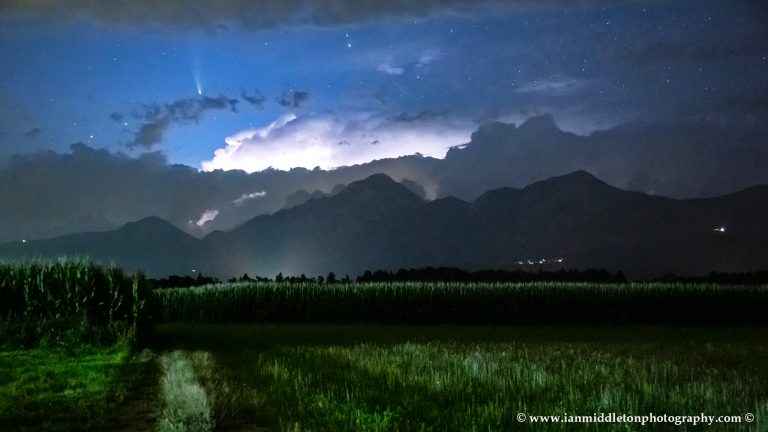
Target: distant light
559	260
193	270
719	229
23	241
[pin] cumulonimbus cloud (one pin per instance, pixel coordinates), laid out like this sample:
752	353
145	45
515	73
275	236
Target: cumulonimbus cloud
313	140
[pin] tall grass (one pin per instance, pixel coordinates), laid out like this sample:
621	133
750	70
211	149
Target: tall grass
69	301
465	303
480	387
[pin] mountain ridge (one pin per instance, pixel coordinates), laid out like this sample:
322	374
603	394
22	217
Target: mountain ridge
377	223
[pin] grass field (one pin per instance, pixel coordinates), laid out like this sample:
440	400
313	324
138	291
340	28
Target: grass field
348	357
44	389
390	378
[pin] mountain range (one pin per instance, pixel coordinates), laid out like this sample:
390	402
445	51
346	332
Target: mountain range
572	221
45	195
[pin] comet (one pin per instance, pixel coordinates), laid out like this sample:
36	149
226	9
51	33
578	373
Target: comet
198	84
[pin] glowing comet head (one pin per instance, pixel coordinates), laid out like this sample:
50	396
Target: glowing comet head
198	84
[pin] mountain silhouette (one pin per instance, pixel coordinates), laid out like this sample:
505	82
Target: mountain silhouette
150	244
575	221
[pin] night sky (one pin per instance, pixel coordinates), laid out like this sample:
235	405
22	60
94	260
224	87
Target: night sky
248	85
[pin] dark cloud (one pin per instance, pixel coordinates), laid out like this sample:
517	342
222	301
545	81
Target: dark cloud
248	14
256	99
33	133
151	112
157	119
680	160
294	99
191	110
116	117
151	133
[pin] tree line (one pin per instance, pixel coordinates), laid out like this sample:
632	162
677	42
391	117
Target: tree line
424	274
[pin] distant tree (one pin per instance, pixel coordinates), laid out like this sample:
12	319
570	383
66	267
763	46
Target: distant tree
331	278
366	277
279	278
245	278
320	279
620	277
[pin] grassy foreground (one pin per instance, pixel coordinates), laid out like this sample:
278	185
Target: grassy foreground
46	389
392	378
67	329
80	321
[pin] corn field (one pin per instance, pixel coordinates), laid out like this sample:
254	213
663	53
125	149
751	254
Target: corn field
465	303
75	300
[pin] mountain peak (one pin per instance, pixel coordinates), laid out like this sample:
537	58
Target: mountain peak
379	188
540	123
377	179
579	176
149	224
575	178
375	182
576	185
